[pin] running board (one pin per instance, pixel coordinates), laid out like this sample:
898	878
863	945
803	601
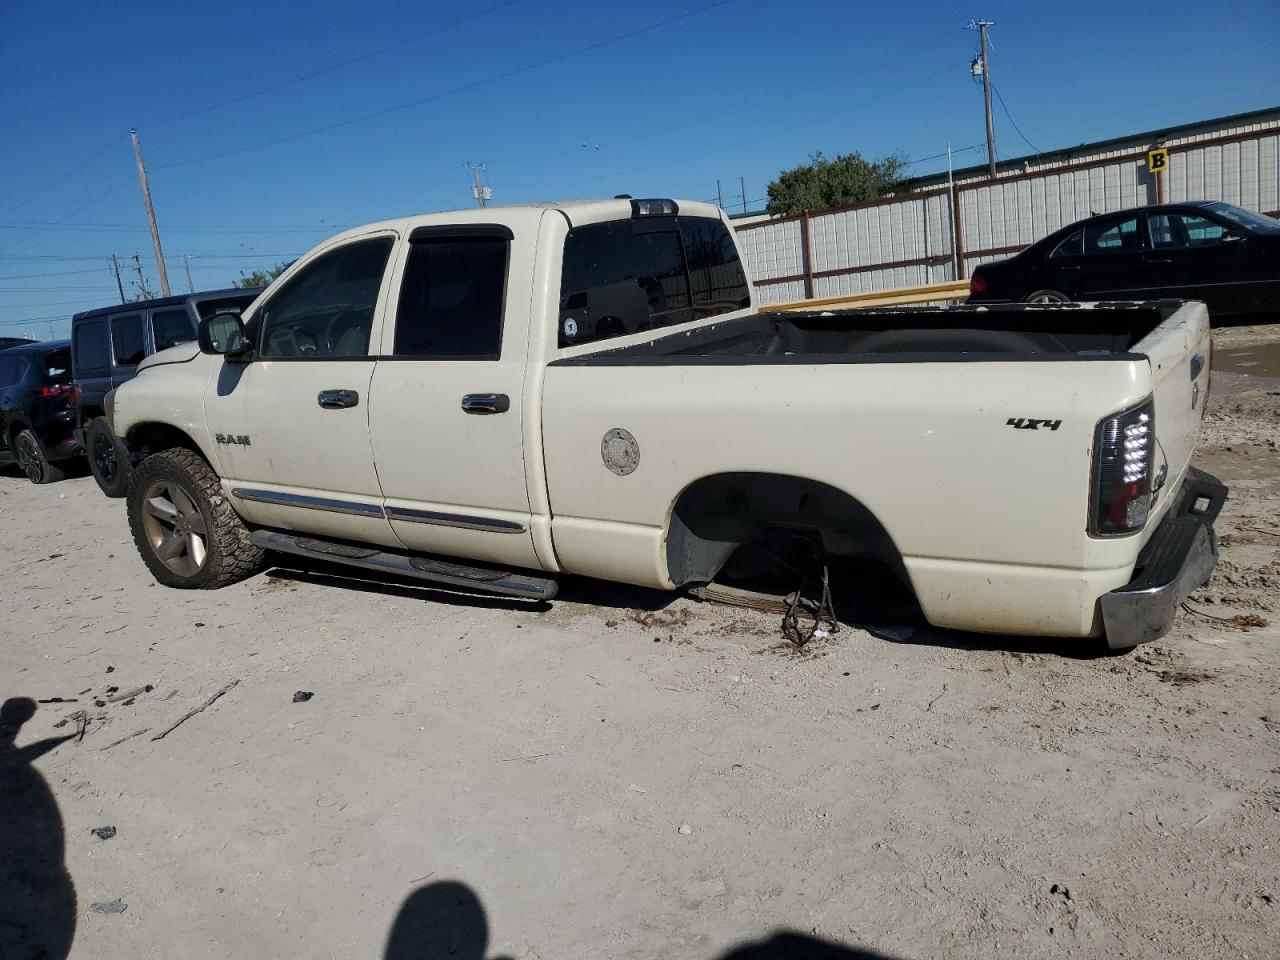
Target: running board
405	565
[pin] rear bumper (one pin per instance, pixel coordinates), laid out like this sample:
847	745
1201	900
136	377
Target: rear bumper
1179	558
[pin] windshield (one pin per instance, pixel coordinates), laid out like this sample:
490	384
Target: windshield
1246	218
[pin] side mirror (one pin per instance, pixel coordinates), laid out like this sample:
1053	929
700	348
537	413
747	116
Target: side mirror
223	334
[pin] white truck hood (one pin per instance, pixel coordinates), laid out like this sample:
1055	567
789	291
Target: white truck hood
182	353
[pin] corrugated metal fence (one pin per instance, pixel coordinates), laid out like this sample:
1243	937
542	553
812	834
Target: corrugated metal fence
910	239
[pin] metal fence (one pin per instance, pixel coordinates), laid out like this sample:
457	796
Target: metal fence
933	233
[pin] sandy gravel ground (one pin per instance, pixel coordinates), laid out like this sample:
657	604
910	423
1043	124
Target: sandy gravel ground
624	776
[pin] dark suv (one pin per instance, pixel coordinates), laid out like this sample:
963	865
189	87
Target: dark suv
36	412
107	346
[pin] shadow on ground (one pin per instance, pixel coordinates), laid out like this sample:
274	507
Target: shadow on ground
446	920
37	897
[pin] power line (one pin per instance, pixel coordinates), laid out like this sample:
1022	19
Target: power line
61	273
1013	121
74	170
329	69
84	206
452	91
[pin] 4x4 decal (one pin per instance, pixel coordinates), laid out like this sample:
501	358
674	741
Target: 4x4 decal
1025	423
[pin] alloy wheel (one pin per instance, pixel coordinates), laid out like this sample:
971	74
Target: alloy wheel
29	457
104	459
175	528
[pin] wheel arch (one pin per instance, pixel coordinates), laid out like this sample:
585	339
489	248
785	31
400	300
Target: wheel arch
718	513
148	437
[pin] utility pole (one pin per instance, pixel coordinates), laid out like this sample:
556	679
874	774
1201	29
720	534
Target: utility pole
481	191
951	195
743	185
142	281
186	262
983	65
151	214
719	195
119	286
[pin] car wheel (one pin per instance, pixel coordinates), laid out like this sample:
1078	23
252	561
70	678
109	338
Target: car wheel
32	460
183	525
1047	296
108	458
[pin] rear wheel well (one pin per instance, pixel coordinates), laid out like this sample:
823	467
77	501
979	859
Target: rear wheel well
716	515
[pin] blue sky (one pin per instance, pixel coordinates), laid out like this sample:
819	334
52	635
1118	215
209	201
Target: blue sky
557	99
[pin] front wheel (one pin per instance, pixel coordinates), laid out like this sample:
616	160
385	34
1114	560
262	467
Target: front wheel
32	460
183	525
108	458
1047	296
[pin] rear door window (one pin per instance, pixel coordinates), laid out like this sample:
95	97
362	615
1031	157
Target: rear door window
171	327
126	338
11	370
1111	236
1072	246
451	298
91	353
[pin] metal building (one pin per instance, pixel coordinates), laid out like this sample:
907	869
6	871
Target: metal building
930	232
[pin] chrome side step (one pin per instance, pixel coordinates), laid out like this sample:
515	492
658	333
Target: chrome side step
405	565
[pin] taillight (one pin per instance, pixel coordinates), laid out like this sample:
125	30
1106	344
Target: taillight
1123	450
54	390
977	284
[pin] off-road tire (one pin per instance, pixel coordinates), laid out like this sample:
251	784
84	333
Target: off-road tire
98	439
229	553
32	460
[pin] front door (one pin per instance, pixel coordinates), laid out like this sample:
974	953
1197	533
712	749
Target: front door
292	425
446	410
1194	257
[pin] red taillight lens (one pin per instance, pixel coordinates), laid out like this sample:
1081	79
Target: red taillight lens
1123	452
54	390
977	284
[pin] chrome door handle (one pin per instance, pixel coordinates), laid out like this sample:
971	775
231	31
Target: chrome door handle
486	403
337	399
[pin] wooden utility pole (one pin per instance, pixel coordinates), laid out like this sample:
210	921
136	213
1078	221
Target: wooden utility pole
115	262
151	214
142	281
986	93
186	262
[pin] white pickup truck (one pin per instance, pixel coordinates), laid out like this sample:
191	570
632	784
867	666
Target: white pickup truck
496	397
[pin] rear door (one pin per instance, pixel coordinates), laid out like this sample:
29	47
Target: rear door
1111	261
446	406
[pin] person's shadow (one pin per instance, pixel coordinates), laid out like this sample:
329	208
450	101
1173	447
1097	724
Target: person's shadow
446	921
37	897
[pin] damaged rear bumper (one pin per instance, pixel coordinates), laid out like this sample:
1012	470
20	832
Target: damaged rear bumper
1179	558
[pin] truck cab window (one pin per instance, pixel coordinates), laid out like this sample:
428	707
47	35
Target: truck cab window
451	298
92	356
326	308
716	278
622	277
171	327
126	337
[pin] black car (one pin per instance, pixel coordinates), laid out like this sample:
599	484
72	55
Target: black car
1203	250
110	342
37	414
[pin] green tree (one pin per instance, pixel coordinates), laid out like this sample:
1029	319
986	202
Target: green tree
822	184
260	278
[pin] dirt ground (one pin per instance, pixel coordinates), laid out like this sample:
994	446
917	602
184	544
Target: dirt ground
619	775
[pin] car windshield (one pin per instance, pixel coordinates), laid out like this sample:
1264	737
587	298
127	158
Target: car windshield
1246	218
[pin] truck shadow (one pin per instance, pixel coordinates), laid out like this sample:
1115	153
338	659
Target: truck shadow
37	897
447	920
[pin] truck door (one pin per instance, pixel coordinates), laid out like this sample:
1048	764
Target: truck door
446	411
292	425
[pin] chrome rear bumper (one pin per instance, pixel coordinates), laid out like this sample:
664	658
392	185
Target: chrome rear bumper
1178	559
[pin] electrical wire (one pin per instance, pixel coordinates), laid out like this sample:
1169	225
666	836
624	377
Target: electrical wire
84	206
440	95
1005	106
74	170
329	69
